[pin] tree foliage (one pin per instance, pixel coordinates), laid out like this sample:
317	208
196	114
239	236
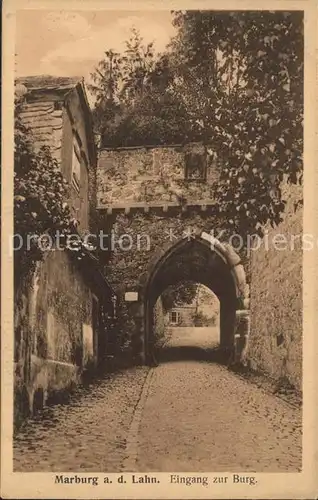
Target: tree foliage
179	294
233	80
248	101
134	103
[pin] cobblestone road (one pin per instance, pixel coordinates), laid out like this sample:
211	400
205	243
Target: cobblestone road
89	434
196	416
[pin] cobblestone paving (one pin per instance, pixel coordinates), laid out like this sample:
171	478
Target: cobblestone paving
89	434
198	416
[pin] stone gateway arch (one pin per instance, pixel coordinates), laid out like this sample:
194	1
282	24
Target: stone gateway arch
145	193
202	259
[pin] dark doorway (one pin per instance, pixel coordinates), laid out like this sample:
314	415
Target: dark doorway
193	260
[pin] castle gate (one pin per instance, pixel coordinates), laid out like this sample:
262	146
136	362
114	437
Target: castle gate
158	206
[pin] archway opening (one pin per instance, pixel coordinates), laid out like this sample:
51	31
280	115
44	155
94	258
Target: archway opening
195	261
186	323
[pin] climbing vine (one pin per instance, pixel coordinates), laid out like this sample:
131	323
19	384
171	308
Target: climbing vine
40	199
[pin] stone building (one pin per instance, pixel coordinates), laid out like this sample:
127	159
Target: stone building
181	316
157	210
162	210
61	320
161	207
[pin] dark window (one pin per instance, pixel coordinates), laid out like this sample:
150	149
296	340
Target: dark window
173	317
196	164
76	165
58	105
279	339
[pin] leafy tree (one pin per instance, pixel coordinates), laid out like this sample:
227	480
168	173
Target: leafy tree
135	101
242	75
105	87
138	63
179	294
233	80
118	82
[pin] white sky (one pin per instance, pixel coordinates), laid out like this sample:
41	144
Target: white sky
70	43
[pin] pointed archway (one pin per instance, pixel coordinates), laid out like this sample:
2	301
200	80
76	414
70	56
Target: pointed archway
201	259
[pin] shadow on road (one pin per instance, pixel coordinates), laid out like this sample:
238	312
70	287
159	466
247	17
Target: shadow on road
185	353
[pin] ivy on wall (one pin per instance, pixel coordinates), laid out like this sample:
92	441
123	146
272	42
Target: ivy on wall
40	197
41	203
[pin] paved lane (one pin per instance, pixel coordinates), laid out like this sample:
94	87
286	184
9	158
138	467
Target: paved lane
88	434
198	416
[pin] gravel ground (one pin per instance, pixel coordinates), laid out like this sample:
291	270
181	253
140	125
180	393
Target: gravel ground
199	416
88	434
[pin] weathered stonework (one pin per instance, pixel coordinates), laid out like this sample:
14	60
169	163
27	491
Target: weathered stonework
134	262
158	211
56	339
48	331
275	342
148	175
63	316
146	183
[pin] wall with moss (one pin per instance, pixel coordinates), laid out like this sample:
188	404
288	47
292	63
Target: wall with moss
50	314
275	343
145	175
69	306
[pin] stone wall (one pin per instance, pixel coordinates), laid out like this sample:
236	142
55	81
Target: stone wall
275	342
74	129
136	238
50	316
153	197
130	266
147	175
127	265
61	313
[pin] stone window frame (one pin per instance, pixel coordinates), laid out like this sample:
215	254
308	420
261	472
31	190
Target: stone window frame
195	153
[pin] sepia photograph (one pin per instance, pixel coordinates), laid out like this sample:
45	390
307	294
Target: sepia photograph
158	245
